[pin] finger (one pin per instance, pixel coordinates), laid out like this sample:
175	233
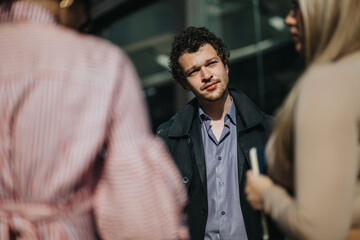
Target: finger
257	206
247	188
249	173
254	204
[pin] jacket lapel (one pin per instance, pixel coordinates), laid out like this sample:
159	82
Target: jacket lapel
187	125
199	153
247	117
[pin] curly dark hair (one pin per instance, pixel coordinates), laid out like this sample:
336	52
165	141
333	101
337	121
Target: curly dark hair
189	41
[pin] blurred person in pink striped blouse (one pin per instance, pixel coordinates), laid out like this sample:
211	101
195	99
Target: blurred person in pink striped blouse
76	150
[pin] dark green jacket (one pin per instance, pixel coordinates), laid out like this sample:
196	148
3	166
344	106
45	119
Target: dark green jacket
182	134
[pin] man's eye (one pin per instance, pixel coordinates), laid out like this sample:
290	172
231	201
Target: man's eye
212	63
192	72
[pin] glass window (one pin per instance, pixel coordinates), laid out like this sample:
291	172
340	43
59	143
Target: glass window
263	63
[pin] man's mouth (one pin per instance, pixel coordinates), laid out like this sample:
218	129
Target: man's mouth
210	86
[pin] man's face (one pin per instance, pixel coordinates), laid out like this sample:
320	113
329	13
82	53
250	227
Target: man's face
206	75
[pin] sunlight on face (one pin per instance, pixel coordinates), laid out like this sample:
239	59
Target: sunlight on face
206	75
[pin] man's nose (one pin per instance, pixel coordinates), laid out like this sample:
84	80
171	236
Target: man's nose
205	74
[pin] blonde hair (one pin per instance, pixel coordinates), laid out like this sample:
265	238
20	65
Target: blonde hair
332	30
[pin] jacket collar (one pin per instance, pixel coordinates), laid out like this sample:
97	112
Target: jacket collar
247	115
183	119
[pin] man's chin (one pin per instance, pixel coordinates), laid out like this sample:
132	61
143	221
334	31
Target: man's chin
214	98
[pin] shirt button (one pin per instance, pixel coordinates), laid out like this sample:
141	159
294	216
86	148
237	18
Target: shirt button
219	158
221	184
223	213
185	179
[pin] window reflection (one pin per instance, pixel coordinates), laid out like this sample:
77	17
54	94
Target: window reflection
146	35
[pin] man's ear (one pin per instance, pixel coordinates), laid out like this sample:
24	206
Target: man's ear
227	69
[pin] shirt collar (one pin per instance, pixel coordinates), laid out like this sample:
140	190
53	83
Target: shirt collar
231	113
25	12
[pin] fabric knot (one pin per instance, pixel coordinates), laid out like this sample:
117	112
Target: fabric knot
22	228
19	220
17	226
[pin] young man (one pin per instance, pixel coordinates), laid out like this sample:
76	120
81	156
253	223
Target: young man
210	139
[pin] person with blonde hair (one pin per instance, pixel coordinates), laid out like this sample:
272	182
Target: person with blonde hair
76	151
313	153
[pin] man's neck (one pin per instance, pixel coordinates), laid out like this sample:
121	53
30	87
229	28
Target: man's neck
217	110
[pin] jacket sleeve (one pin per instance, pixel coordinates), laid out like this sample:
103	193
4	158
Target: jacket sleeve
140	194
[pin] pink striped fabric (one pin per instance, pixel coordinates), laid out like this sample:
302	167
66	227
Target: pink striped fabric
63	97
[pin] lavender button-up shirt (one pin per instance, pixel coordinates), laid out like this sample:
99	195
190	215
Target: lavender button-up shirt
225	219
